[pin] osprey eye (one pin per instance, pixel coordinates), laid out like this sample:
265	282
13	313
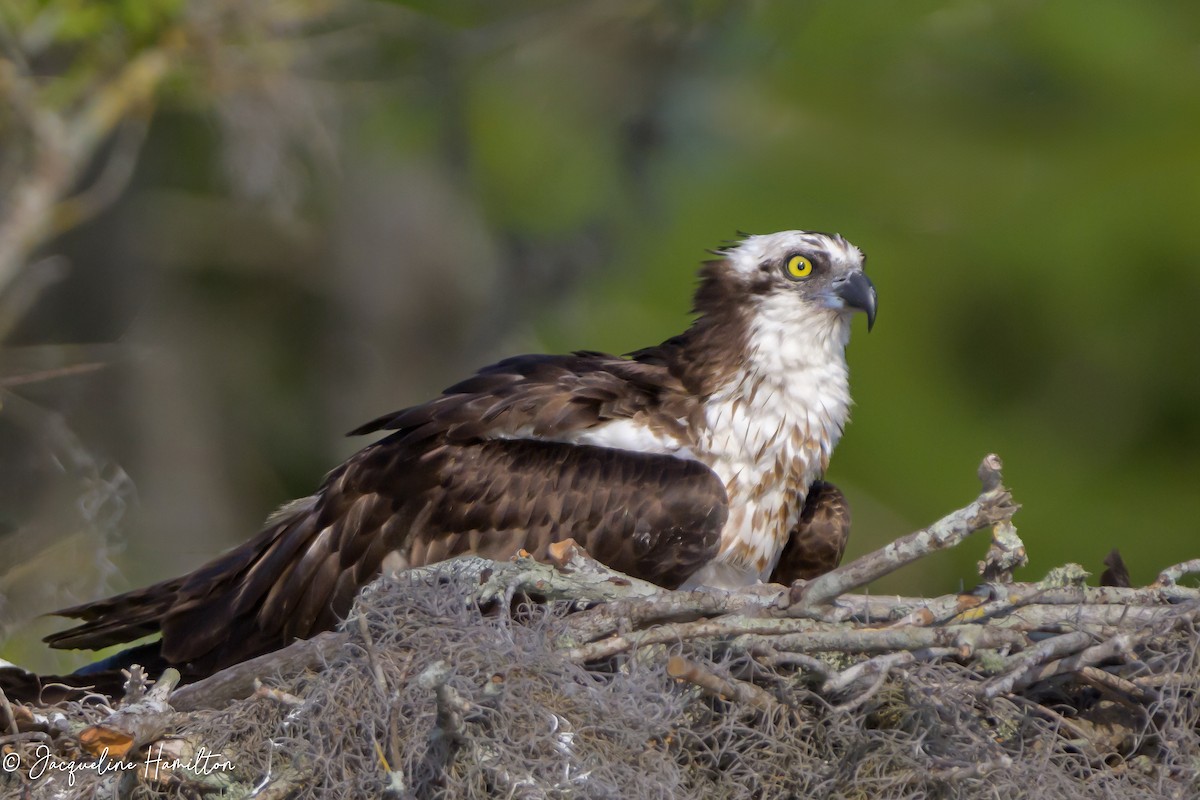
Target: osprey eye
799	267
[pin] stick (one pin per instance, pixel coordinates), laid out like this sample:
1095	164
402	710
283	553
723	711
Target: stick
993	506
1118	645
882	664
1018	668
364	630
663	634
237	682
1171	575
9	714
740	691
964	639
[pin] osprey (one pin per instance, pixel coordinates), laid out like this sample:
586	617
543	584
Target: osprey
692	463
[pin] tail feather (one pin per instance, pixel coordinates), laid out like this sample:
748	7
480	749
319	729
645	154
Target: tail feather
117	620
195	613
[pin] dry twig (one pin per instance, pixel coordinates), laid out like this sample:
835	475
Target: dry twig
993	506
685	669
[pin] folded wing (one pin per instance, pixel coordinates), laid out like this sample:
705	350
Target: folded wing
652	516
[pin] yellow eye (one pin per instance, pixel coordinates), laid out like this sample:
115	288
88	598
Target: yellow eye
799	267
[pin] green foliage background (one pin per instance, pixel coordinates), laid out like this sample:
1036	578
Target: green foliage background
341	208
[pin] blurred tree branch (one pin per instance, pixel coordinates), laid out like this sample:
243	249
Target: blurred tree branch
80	83
62	140
78	88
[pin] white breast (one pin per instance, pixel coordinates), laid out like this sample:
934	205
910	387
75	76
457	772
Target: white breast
769	435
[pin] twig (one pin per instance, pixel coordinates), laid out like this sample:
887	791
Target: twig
753	634
1152	601
26	287
662	634
27	220
9	714
450	725
956	607
1006	554
1118	685
993	506
155	698
1099	604
50	374
1039	671
955	774
112	180
1172	680
236	682
364	630
882	664
278	695
1095	619
964	639
740	691
607	618
452	707
1171	575
1018	667
64	147
1119	645
863	697
771	657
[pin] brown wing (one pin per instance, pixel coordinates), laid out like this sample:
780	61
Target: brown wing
546	397
818	541
651	516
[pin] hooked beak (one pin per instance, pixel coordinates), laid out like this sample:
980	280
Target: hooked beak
857	291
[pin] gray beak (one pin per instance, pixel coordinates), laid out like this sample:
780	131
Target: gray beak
857	291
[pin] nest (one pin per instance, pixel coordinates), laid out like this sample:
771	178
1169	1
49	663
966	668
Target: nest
532	680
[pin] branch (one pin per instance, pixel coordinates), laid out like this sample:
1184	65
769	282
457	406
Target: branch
575	576
1119	645
1006	554
1019	667
452	707
993	506
882	665
135	725
679	632
236	682
685	669
608	618
1171	575
7	715
761	636
64	147
964	639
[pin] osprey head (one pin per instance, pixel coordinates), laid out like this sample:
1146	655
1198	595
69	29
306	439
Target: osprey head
802	271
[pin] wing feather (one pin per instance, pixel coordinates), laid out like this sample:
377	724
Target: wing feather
818	541
653	516
458	474
548	396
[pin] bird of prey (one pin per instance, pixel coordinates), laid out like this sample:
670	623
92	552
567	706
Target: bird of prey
686	464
